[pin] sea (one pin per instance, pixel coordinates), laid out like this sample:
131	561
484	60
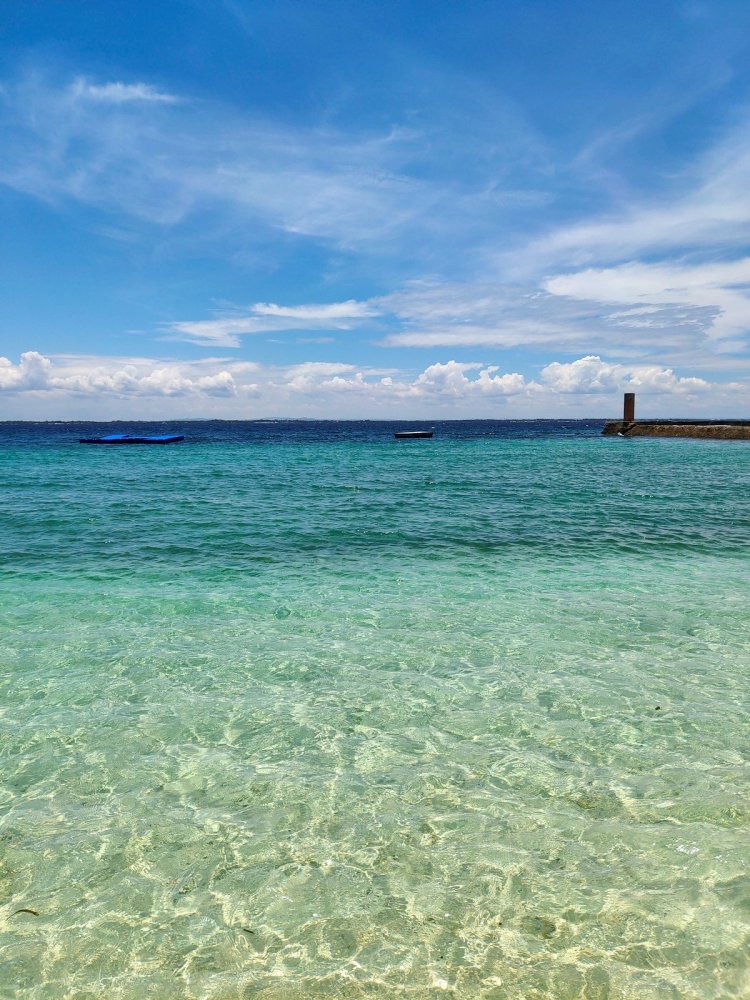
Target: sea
294	709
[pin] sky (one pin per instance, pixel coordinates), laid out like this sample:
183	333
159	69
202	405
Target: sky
374	208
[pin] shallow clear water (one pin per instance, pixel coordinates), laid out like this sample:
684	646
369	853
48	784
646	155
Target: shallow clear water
297	710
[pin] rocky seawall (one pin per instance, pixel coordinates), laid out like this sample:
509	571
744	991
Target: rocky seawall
724	430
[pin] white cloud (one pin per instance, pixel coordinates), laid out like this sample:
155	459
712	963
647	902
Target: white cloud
562	315
266	317
309	376
707	210
104	388
450	379
139	154
509	331
484	314
317	369
663	305
135	151
627	310
85	376
592	375
327	312
714	296
588	374
32	372
338	384
120	93
647	280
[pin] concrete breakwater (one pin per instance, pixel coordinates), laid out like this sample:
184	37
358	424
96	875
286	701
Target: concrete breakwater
725	430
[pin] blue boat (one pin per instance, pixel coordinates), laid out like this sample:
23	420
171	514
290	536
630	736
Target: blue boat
133	439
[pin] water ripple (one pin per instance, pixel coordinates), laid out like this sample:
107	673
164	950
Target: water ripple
286	716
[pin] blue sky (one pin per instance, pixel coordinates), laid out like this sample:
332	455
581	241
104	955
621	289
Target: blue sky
375	209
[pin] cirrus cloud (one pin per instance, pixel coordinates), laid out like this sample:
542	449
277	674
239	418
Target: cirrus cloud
714	295
266	317
120	93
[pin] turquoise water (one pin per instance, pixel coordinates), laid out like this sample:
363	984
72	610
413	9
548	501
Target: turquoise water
299	711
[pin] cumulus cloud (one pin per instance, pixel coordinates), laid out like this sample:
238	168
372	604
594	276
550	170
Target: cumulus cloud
451	379
32	372
108	387
592	375
441	383
81	376
310	375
